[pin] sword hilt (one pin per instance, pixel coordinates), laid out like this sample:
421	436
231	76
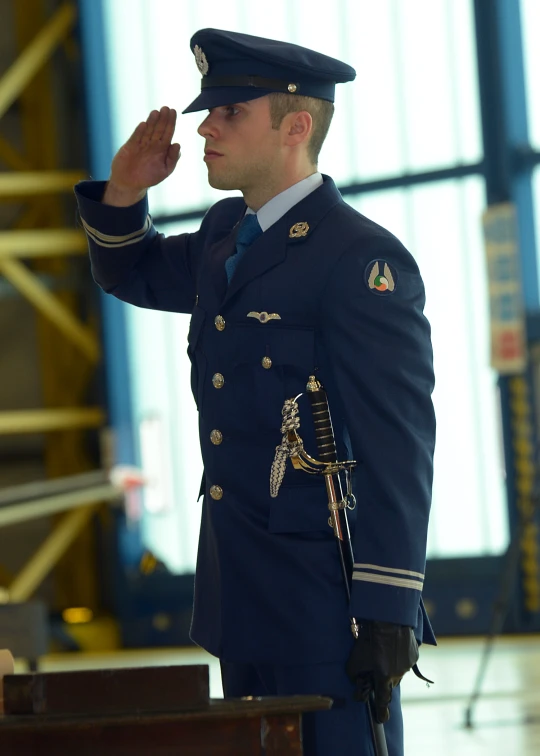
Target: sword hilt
324	432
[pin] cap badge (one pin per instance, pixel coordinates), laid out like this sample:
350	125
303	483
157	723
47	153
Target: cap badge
264	317
380	277
299	229
200	59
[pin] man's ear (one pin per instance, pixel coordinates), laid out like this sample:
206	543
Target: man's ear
298	128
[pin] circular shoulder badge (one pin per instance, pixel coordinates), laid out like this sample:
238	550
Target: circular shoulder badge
381	277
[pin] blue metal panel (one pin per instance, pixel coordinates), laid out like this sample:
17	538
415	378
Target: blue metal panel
128	546
515	107
98	118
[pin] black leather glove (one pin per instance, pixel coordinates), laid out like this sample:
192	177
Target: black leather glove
381	655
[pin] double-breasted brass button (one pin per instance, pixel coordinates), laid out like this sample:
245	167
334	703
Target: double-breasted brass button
216	492
216	437
266	363
218	380
219	322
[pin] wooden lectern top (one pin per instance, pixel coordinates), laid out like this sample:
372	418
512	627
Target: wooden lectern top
149	710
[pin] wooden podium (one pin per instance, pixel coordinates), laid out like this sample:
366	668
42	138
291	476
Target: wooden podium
147	710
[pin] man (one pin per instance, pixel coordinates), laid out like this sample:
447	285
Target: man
285	283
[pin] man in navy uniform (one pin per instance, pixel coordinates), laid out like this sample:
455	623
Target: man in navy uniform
287	282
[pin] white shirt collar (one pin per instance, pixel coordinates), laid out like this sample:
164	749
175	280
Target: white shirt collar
276	208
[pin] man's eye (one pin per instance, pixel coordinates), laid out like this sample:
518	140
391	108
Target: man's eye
231	110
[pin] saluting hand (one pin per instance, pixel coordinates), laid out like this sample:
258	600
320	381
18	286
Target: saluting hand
146	159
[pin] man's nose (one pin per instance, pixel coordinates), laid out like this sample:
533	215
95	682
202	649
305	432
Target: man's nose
208	127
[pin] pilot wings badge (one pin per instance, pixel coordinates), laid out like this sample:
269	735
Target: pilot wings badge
264	317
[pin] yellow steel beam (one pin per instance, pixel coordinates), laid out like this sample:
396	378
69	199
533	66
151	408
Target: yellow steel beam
43	420
45	558
35	55
32	183
51	307
47	242
12	157
52	505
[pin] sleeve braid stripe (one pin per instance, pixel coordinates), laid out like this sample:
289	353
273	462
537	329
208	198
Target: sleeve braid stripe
395	570
369	577
106	240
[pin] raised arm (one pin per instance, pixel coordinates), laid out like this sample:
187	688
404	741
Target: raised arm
129	258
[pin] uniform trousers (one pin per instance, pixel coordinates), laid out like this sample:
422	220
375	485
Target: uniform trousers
342	731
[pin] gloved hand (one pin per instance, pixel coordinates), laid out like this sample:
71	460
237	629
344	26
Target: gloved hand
380	657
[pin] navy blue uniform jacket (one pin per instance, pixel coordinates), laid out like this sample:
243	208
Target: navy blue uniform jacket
268	586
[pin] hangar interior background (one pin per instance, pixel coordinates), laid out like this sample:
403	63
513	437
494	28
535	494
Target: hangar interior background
442	121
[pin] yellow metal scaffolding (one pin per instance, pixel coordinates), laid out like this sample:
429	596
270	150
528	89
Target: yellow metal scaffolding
39	243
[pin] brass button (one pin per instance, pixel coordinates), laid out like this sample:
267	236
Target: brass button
218	380
292	88
216	492
266	363
219	322
216	437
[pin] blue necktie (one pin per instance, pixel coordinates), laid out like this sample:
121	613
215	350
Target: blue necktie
247	233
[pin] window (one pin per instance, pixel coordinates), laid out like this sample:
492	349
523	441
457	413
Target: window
400	116
530	17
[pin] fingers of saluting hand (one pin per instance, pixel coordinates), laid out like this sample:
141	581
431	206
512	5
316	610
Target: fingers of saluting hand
163	125
150	126
158	127
173	155
137	135
165	130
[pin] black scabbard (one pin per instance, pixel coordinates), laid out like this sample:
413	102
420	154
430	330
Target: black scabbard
326	445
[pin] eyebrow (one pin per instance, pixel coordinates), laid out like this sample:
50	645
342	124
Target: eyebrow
230	105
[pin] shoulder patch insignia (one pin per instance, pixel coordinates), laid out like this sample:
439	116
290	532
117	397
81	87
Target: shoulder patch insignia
380	277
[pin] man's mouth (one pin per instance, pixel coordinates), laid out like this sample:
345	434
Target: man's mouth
212	154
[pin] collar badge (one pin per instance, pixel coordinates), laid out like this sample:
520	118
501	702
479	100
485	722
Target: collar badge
298	230
200	60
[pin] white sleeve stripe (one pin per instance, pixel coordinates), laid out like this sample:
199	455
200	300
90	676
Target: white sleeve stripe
390	569
99	237
115	246
369	577
118	245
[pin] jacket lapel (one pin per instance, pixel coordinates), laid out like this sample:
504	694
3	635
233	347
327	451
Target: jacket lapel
218	253
268	250
272	247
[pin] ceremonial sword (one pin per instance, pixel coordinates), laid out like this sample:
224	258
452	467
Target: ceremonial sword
328	465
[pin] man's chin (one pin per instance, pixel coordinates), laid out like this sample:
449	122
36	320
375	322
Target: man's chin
222	182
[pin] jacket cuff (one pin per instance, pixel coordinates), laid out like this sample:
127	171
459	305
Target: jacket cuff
108	226
385	597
